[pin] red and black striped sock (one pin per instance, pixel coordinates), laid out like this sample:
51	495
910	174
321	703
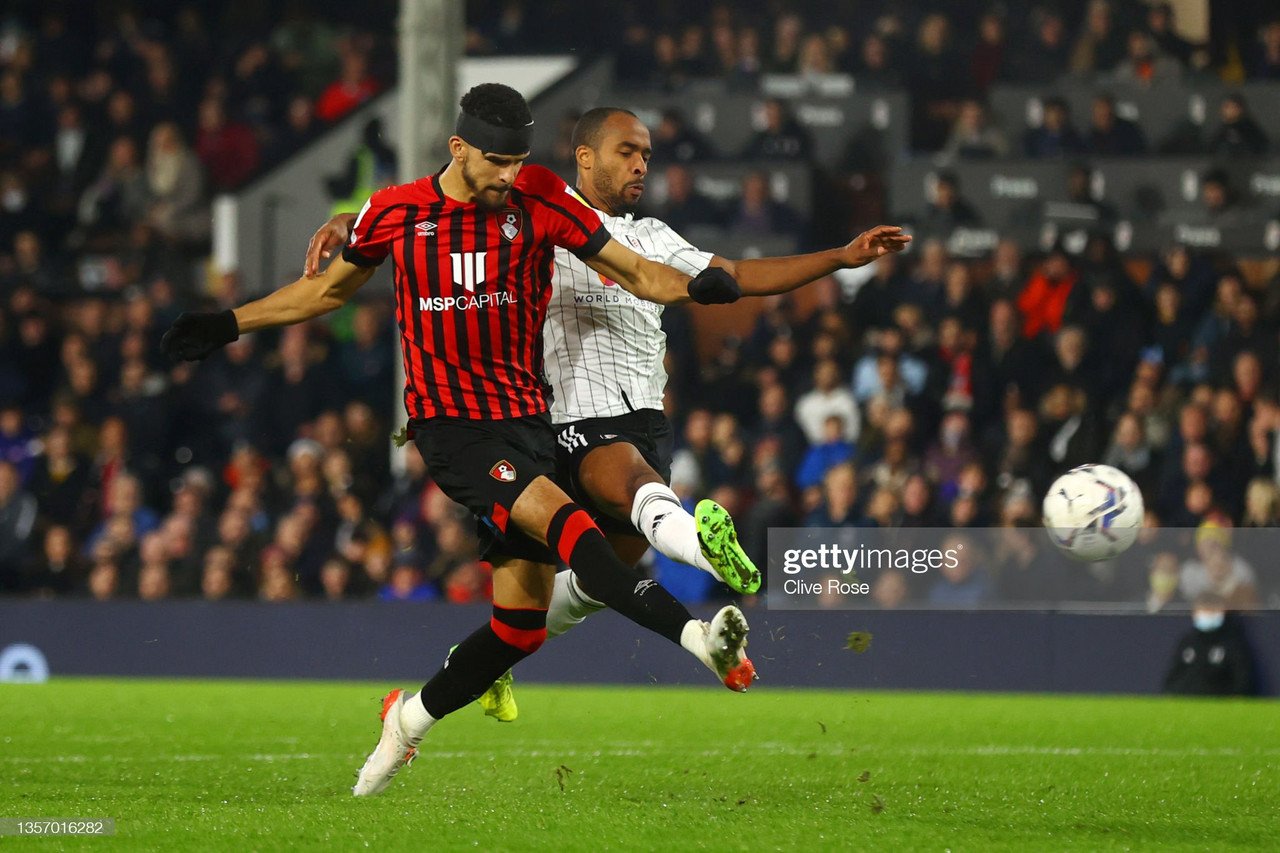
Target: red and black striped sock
607	579
478	661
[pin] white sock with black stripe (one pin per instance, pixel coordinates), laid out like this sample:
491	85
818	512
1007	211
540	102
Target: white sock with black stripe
658	514
569	604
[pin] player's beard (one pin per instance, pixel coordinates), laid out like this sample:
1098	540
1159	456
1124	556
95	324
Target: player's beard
487	197
615	196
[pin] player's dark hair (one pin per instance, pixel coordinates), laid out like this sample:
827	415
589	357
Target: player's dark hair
590	127
497	104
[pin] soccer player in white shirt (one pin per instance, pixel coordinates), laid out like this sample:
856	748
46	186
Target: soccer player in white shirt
603	351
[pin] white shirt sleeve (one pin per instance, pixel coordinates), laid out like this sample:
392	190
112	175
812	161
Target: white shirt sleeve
677	251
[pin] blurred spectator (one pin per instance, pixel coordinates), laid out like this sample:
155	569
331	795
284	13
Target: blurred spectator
1100	45
1162	581
118	197
758	214
782	137
1043	57
1043	300
17	523
675	142
1265	62
1055	137
1131	452
1214	658
784	55
1110	135
1216	569
828	398
889	590
217	580
58	569
354	86
945	458
963	581
228	149
990	57
17	442
775	424
875	71
1161	28
684	205
371	167
104	580
936	81
948	209
747	64
1262	504
666	71
1239	135
973	137
175	185
837	506
827	450
890	373
1144	64
61	482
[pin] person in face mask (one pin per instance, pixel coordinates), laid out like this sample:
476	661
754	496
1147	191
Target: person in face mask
1214	658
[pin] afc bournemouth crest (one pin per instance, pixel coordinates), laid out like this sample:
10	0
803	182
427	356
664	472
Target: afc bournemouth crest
510	224
503	472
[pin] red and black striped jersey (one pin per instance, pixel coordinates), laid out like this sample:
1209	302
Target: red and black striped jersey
472	288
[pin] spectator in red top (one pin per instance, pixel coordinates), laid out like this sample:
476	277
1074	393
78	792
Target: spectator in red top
228	149
1044	299
353	87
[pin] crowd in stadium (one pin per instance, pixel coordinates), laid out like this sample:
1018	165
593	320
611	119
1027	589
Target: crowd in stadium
943	391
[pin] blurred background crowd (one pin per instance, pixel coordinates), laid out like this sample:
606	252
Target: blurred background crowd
945	388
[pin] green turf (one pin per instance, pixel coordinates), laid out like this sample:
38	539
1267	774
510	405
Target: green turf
255	766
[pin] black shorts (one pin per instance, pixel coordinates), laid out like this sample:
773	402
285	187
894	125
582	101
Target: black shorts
647	430
485	465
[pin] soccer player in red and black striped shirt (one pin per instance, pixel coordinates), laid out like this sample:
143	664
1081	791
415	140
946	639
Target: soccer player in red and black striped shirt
472	248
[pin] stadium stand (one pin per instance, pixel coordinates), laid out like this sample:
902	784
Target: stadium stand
1109	293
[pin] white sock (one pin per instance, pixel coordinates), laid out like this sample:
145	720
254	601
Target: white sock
569	604
659	515
694	640
414	719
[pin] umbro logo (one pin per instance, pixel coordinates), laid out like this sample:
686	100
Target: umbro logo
644	586
426	229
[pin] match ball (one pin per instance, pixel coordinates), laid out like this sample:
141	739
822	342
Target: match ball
1093	512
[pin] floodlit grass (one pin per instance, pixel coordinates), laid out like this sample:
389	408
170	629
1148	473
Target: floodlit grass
187	765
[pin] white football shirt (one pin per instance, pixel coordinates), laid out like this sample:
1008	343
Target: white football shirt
602	347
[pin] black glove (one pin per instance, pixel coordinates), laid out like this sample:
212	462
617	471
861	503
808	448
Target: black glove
714	286
194	335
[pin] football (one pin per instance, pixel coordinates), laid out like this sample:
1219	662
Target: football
1093	512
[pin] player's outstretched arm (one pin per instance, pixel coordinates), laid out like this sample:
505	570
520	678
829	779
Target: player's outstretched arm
196	335
305	298
767	276
660	283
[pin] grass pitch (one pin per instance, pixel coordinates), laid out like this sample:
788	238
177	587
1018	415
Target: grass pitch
248	766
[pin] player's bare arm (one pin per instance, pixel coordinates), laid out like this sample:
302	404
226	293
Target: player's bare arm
660	283
304	298
767	276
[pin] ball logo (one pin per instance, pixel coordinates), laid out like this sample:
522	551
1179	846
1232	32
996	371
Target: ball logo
510	225
503	472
